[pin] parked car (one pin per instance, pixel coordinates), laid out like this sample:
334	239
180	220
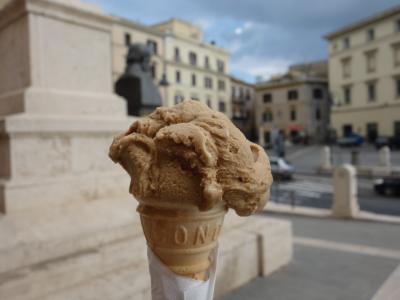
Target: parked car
280	168
351	140
392	142
387	186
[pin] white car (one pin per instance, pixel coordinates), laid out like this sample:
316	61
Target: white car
280	168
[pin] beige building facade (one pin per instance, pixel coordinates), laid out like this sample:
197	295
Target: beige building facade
243	106
296	104
364	76
194	69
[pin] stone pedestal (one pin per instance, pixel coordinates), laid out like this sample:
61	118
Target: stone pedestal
384	156
345	202
325	163
57	109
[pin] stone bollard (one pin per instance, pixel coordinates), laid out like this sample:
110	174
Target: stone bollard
384	156
326	158
345	203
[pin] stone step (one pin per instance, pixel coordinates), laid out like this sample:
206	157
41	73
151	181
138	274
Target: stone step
34	237
242	258
36	281
121	284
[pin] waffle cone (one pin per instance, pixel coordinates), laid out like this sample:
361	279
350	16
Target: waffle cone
182	239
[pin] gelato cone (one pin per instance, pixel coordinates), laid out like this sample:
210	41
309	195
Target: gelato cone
189	164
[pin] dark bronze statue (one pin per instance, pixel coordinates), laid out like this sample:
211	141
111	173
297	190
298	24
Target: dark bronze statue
136	84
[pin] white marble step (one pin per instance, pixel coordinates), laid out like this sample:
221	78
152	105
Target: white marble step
64	273
34	237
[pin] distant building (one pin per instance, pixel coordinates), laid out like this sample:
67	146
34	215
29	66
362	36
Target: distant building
296	103
364	76
243	101
194	69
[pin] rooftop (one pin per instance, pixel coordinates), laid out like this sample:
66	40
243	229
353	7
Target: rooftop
364	22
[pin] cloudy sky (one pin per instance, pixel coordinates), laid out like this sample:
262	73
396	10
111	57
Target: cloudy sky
263	36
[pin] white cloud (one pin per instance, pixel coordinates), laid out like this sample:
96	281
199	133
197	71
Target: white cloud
257	66
238	31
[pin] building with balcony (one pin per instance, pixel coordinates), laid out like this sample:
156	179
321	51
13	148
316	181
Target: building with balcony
242	102
364	76
194	69
295	103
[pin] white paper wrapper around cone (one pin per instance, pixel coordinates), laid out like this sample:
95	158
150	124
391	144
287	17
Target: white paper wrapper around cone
166	285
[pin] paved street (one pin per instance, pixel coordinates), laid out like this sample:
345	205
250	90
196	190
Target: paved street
307	158
333	259
317	191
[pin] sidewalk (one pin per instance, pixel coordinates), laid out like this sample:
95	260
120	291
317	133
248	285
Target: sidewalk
333	259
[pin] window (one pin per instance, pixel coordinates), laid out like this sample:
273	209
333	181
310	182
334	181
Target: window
346	67
177	55
192	58
208	82
248	95
347	95
318	93
371	91
221	85
152	45
346	43
396	54
206	62
268	116
241	93
127	39
397	84
292	95
220	66
267	98
318	114
153	70
178	77
370	57
193	79
397	25
194	97
370	34
293	114
221	106
178	98
372	131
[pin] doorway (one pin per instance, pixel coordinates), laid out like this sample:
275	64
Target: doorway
347	130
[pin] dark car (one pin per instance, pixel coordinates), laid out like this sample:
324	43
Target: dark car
387	186
381	142
391	142
351	140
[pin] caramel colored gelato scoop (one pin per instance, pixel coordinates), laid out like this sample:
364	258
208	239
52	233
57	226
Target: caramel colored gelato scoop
190	163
